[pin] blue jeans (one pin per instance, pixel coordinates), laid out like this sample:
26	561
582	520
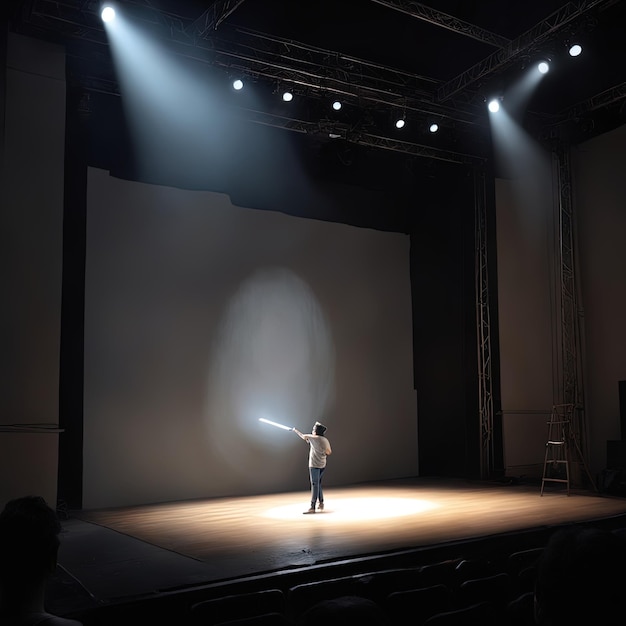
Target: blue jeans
316	484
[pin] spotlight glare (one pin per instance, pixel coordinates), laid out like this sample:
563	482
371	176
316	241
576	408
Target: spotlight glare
107	14
543	67
238	84
287	96
336	105
400	123
494	105
433	128
575	50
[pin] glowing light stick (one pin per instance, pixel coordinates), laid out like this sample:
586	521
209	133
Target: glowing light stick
262	419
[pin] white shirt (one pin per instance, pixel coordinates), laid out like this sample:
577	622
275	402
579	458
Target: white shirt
319	448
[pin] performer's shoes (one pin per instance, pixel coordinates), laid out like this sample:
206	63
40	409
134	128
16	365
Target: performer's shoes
320	506
311	510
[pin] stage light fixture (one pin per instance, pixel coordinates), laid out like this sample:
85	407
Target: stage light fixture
337	105
287	96
108	13
494	105
544	66
400	122
238	84
434	127
575	50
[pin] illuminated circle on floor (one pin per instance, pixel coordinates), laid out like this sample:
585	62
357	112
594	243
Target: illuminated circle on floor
358	509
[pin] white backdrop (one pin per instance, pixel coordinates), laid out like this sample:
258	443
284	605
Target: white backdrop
201	317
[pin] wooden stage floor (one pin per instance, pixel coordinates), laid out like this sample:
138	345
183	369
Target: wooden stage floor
138	551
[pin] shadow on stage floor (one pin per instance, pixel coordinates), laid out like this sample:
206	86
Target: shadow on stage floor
117	555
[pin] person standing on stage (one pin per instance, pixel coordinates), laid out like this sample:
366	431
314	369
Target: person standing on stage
319	449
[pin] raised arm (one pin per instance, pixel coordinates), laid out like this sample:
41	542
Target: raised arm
301	435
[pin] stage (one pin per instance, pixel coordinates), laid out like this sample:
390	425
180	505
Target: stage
115	555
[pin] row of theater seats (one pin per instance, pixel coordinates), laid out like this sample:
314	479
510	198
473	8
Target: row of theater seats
451	592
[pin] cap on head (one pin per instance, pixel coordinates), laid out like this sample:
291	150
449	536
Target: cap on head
320	429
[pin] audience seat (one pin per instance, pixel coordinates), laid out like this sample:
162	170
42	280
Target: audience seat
300	597
473	568
521	610
415	606
479	614
238	606
495	589
378	585
441	572
521	559
266	619
521	566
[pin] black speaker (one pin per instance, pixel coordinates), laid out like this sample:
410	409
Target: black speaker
622	407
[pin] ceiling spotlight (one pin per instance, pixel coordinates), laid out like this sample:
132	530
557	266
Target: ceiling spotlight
287	96
238	84
575	50
494	105
336	105
434	127
108	13
543	66
400	123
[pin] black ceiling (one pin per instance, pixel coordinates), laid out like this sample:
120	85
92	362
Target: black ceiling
434	60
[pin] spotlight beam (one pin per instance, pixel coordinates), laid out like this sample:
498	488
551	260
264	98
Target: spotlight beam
262	419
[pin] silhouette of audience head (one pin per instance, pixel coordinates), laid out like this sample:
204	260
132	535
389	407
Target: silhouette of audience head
29	544
29	541
343	611
581	578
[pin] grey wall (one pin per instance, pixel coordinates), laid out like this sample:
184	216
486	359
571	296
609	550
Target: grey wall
527	233
527	318
31	225
600	201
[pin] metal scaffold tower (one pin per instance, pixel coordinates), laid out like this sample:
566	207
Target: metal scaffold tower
567	434
571	367
485	391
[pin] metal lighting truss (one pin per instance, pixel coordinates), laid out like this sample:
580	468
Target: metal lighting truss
314	71
599	101
483	324
576	118
323	128
317	72
527	42
572	369
571	363
420	11
212	17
